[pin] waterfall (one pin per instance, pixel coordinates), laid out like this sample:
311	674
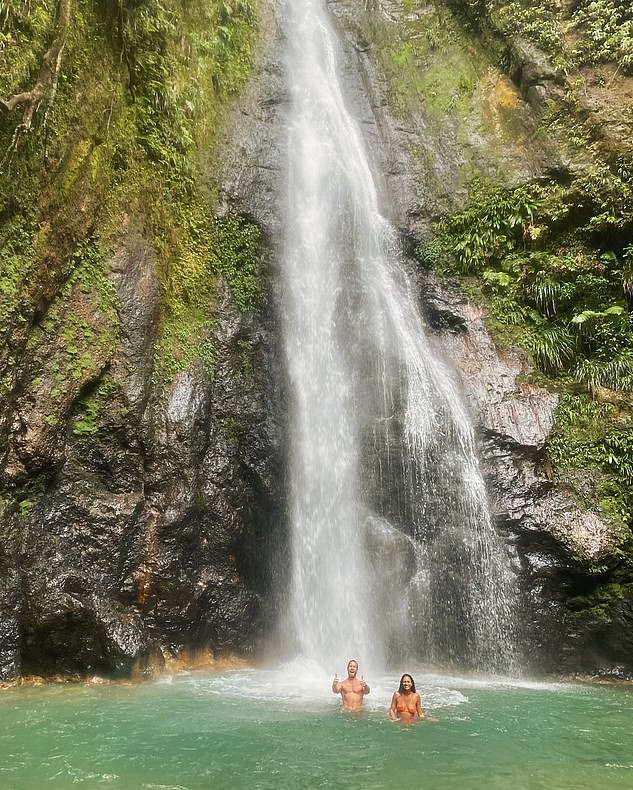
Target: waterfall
393	554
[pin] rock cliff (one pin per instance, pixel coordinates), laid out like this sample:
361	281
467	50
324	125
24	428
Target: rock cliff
142	511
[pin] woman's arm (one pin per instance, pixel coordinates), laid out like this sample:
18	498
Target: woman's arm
418	707
392	708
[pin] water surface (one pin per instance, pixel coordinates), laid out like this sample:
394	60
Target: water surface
284	729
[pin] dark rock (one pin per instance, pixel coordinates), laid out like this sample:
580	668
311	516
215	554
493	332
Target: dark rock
531	70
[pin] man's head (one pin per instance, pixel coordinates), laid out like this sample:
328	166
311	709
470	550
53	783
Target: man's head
352	668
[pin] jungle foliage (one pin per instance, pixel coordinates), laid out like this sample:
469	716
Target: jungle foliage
139	87
556	264
601	30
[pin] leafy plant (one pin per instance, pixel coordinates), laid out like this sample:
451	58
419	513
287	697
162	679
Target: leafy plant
565	304
605	29
236	258
552	348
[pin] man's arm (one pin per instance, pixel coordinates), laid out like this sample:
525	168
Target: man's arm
336	686
366	688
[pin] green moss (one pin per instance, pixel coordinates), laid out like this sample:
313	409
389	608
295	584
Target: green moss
236	258
200	249
26	28
17	260
142	87
179	84
88	409
416	78
185	337
598	604
78	336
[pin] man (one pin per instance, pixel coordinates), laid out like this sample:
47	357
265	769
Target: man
351	689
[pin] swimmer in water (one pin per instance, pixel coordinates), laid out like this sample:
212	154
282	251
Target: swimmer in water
351	689
406	706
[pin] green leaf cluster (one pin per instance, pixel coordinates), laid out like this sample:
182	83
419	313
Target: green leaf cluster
541	258
534	21
601	30
236	258
605	31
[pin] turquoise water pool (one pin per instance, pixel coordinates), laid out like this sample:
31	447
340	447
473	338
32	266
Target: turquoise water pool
284	729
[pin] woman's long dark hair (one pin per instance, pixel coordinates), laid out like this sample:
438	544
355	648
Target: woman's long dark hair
401	689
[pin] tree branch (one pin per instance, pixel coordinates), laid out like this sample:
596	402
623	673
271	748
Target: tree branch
49	70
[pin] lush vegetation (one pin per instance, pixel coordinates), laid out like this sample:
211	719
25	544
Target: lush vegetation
566	283
112	147
554	262
574	34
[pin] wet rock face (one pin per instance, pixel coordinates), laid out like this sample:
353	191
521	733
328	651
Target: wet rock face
147	528
137	541
551	542
205	578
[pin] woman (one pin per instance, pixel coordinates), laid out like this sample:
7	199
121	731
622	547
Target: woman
405	703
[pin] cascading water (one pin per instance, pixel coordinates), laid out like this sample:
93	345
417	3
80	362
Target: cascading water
393	553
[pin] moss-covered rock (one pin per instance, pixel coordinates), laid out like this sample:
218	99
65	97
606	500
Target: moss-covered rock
126	296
